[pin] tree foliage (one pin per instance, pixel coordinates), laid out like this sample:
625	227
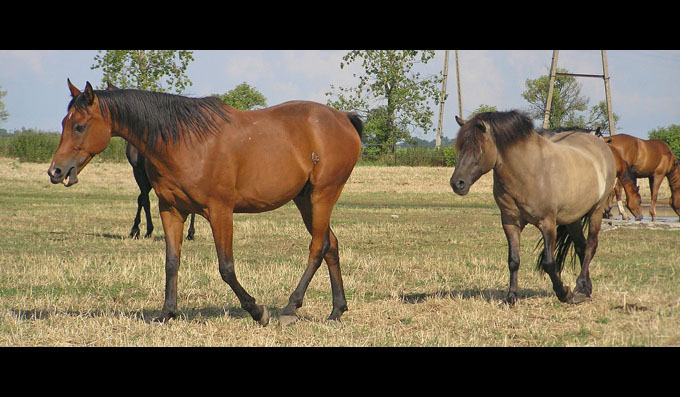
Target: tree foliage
670	135
4	114
243	97
567	107
152	70
392	97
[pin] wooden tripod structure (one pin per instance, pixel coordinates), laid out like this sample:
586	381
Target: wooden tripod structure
604	76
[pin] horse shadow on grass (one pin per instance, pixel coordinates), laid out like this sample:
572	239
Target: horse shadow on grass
489	295
147	316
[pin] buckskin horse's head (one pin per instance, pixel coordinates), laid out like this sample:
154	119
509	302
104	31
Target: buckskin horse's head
85	133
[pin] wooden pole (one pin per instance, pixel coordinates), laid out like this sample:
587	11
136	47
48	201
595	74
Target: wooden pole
442	100
460	101
608	94
548	101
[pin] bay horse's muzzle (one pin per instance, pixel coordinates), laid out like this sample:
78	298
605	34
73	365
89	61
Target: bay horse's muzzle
66	175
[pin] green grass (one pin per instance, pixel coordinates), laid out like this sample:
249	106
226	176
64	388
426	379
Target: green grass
421	267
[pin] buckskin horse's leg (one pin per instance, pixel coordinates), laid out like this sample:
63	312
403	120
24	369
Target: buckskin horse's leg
316	215
222	224
173	225
583	283
512	234
549	232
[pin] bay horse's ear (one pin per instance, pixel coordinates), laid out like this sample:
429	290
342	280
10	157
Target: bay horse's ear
89	93
110	87
74	90
460	121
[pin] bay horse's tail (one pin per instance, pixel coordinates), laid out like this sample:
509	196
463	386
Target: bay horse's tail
356	122
563	245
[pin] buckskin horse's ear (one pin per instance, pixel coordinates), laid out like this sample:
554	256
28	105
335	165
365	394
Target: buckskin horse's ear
460	121
89	94
74	90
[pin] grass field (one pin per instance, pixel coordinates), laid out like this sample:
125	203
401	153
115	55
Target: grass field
421	267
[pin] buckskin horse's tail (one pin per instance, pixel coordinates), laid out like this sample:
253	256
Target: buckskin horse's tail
356	122
563	245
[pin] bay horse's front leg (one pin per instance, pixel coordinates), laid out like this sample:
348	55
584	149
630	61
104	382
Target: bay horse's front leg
549	232
512	234
222	224
173	225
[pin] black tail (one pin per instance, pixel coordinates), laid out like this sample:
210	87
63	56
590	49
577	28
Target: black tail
356	122
563	245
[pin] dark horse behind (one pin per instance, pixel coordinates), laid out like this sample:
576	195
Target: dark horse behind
207	158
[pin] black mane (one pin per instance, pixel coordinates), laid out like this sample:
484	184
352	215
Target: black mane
508	128
155	117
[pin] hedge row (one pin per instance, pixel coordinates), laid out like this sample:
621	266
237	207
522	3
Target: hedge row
39	147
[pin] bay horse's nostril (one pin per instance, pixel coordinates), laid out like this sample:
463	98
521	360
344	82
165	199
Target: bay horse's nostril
54	172
460	184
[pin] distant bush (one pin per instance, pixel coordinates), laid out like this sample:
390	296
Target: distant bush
445	156
39	147
670	135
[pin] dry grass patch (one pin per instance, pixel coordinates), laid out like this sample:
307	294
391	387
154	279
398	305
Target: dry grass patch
421	267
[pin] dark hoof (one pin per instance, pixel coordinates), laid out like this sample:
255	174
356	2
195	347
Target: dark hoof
134	233
190	236
565	296
510	300
164	317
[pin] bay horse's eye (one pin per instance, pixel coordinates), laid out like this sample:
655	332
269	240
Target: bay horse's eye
78	128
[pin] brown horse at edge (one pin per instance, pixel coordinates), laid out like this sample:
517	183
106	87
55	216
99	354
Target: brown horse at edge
650	159
205	157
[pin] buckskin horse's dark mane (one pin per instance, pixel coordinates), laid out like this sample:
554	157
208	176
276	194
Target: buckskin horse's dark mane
508	128
156	117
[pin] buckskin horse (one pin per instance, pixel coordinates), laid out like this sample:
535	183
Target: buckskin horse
650	159
558	184
624	177
207	158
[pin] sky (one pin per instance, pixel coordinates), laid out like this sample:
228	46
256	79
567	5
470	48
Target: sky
645	84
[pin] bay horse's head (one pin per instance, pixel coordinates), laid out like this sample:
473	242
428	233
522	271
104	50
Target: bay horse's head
477	154
85	133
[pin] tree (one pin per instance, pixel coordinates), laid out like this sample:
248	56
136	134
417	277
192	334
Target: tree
4	114
567	107
243	97
670	135
152	70
392	98
483	108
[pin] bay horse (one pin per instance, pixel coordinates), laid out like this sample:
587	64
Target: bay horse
207	158
650	159
624	177
137	161
558	184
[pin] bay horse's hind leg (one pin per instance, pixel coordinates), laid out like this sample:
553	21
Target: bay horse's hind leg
222	224
324	245
654	185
